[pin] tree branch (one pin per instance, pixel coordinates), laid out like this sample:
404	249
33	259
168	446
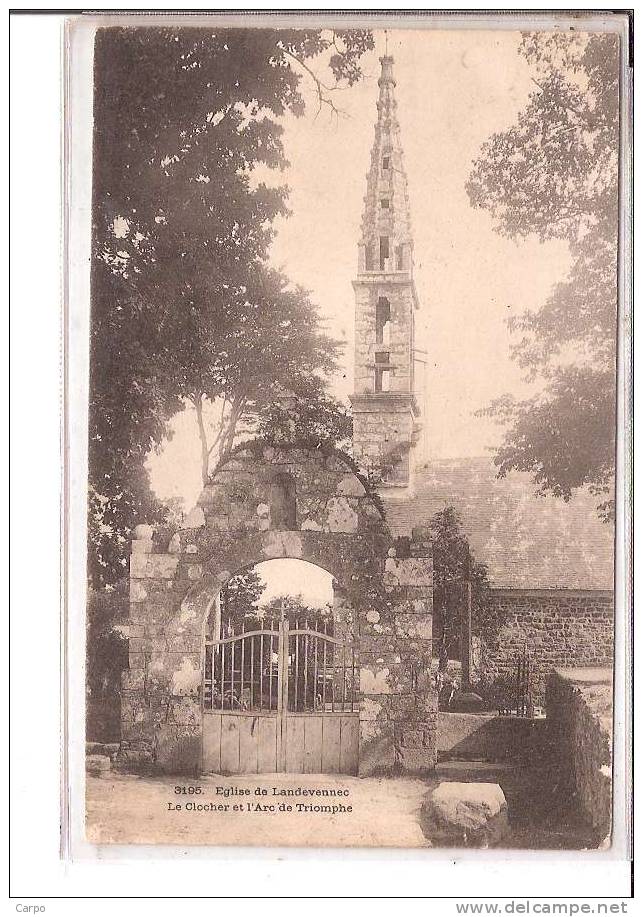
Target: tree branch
319	86
217	438
197	401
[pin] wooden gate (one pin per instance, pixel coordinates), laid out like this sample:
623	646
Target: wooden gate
280	699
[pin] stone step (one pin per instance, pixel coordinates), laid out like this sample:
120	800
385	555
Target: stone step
459	768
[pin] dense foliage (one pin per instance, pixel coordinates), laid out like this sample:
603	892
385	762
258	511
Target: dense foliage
294	609
185	310
554	174
240	597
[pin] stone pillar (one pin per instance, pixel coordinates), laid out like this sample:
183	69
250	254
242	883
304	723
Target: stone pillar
398	710
161	711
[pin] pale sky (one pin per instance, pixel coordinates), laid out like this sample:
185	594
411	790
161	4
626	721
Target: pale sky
454	88
295	577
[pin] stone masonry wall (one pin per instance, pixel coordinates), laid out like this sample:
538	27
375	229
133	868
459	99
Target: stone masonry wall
579	726
174	578
560	628
383	437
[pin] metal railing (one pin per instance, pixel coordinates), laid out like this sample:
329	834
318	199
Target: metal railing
524	701
271	666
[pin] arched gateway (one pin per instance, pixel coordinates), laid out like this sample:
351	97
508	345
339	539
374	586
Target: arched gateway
190	706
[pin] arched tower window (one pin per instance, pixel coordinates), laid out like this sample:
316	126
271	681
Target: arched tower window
283	502
384	252
382	321
382	372
382	379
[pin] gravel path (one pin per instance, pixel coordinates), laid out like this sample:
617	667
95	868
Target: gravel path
384	812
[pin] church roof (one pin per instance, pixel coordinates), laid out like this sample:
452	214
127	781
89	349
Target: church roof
527	542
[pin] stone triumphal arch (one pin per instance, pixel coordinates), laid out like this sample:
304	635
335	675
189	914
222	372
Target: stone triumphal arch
195	702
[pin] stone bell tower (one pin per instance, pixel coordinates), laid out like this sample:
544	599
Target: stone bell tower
385	411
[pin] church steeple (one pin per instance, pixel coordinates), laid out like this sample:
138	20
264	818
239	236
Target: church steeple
386	203
384	404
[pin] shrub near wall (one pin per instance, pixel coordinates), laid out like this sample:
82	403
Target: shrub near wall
559	628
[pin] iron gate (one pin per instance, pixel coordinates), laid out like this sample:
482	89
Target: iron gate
280	699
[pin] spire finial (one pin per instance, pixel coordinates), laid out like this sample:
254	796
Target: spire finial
386	42
387	71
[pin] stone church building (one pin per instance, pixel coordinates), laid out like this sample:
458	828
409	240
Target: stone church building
550	563
359	695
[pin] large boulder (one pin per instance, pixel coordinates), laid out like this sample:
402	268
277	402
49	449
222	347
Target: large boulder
465	815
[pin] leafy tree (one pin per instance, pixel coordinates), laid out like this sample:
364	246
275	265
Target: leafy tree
453	566
181	231
308	414
130	402
268	349
239	599
554	174
294	608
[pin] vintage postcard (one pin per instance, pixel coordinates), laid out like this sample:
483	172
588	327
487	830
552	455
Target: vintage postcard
354	378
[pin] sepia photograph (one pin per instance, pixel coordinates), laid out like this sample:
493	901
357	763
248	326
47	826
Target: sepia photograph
352	433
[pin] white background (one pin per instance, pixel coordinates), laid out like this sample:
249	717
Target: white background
38	874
